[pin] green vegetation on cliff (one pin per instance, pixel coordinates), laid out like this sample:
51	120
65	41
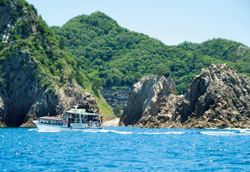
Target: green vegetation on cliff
118	56
28	32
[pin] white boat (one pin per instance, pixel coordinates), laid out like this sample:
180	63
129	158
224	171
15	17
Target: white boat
73	120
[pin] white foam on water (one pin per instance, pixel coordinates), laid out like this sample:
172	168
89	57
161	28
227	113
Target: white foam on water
218	133
174	133
163	133
149	133
121	132
106	131
244	132
48	131
95	131
33	129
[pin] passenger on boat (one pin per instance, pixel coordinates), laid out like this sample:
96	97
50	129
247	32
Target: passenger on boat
84	120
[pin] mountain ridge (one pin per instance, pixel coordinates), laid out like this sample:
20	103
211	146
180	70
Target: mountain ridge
119	56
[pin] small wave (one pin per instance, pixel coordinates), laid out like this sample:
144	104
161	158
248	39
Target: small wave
232	131
95	131
33	129
174	133
244	131
218	133
163	133
121	132
149	133
48	131
106	131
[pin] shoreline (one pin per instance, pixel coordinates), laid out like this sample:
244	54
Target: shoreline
111	123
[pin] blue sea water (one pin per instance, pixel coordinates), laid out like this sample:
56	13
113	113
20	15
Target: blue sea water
125	149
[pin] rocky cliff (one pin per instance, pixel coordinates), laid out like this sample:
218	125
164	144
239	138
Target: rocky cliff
89	103
144	98
35	79
217	98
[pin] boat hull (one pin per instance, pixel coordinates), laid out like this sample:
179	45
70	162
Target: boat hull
48	127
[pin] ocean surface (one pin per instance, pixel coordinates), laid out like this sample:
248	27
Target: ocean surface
125	149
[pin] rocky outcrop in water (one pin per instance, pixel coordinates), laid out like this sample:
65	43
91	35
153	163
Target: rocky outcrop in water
144	98
217	98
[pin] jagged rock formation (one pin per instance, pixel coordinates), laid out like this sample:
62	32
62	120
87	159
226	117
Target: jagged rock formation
217	98
144	98
27	88
8	20
89	103
23	100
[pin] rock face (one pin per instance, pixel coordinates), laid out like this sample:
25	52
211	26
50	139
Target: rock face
88	102
23	95
217	98
144	98
21	98
52	102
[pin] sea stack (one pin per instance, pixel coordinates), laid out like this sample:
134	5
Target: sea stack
145	97
217	98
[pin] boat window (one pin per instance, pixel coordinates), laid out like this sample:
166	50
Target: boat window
77	116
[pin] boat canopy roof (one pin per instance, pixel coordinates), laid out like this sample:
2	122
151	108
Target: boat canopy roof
81	112
51	118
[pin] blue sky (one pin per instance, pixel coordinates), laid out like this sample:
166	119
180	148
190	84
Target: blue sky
172	22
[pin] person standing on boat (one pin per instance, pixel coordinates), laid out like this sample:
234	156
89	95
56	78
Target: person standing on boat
84	120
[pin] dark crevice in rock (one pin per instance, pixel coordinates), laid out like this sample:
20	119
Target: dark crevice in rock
217	98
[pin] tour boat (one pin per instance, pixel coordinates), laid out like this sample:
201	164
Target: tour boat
73	120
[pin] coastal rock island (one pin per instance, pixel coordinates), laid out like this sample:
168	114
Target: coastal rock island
217	98
145	97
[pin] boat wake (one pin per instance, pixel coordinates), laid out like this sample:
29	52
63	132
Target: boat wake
33	129
121	132
47	131
107	131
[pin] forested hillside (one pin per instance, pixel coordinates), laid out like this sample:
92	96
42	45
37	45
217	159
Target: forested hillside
37	76
112	55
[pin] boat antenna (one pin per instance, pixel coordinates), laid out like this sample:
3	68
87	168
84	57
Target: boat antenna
48	113
76	106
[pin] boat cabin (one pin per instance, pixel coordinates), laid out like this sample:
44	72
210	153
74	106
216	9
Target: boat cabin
51	120
80	116
75	119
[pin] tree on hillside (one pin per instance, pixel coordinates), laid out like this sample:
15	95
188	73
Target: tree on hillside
62	43
117	110
96	84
